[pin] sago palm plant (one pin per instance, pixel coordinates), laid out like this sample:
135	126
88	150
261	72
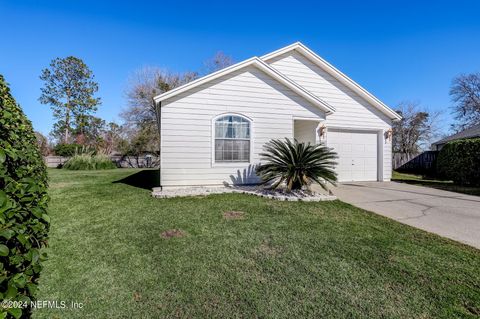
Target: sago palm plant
297	164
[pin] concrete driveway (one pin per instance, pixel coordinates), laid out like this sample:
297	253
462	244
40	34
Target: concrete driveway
447	214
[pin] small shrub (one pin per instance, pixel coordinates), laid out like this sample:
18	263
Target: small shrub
297	164
89	162
460	161
67	150
24	222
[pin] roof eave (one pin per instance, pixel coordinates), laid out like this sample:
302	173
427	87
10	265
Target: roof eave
204	79
255	61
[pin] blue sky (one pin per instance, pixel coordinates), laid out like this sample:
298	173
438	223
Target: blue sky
398	50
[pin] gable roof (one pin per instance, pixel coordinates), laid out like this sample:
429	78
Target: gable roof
330	69
471	132
259	64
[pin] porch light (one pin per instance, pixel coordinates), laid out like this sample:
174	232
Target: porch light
322	130
389	134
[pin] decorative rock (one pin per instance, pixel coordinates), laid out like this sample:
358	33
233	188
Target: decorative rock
250	190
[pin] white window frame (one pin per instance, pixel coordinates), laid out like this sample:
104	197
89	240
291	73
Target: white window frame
231	164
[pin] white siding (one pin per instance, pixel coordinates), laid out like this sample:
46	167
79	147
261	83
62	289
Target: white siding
351	110
186	126
387	158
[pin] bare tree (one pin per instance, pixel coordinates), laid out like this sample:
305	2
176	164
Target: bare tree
43	144
415	131
219	61
150	81
140	115
144	85
465	93
111	138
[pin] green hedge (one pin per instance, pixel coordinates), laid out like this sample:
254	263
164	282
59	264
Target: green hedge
460	162
24	222
89	162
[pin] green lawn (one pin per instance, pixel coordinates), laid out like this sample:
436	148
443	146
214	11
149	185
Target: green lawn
283	260
439	184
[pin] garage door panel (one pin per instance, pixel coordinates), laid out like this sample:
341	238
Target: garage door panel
358	149
347	148
357	154
370	149
370	163
343	163
356	175
343	175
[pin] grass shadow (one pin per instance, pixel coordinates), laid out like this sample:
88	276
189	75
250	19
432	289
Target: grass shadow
145	179
442	185
424	182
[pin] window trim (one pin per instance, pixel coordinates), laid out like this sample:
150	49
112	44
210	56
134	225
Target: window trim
230	164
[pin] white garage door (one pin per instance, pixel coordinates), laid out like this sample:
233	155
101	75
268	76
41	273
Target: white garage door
357	154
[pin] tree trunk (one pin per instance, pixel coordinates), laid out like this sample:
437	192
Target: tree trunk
67	119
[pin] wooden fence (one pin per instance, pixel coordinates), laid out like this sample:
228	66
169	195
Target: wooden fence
424	163
55	161
147	161
398	159
144	161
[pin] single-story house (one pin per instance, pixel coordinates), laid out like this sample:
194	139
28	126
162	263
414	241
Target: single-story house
471	132
213	129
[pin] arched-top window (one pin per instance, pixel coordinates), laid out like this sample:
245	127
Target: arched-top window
232	139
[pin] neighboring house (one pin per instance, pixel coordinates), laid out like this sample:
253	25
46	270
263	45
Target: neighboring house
214	128
471	132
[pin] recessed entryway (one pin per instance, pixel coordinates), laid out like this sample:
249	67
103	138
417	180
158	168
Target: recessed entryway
305	131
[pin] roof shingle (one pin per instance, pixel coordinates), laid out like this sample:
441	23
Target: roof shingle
473	131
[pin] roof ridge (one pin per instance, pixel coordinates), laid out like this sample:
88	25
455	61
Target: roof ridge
329	68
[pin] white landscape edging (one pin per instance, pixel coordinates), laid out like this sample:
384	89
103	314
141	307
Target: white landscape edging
249	190
316	197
